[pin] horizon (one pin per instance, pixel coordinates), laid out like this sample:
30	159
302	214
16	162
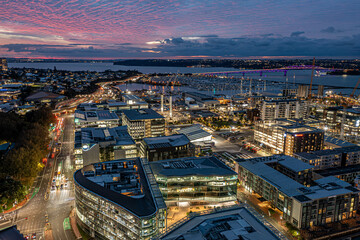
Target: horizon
171	59
175	29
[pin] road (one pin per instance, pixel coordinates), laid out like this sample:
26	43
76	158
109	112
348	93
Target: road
31	218
61	201
53	206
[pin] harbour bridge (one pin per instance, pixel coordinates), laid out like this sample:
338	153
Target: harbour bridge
261	71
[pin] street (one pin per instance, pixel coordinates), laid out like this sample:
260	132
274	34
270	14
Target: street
31	218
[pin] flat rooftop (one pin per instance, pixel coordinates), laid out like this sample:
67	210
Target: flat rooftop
281	100
291	126
328	152
141	114
202	96
191	166
128	97
90	116
176	140
11	233
337	142
293	163
230	224
339	170
116	135
122	182
325	187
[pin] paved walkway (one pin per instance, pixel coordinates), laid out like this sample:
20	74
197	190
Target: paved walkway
74	225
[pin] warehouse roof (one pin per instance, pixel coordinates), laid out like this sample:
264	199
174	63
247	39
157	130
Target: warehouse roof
194	132
166	141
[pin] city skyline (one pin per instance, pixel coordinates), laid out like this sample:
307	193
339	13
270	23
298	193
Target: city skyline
174	29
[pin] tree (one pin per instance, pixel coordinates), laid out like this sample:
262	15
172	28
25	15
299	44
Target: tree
10	190
42	116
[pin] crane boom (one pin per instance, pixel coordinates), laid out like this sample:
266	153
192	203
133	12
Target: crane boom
356	86
312	77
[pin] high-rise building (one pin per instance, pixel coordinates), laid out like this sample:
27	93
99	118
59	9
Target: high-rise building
166	147
143	123
320	90
119	200
288	108
303	91
337	119
288	136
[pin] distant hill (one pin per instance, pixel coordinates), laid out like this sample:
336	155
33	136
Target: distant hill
241	63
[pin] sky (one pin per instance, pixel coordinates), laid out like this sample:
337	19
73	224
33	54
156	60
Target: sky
140	29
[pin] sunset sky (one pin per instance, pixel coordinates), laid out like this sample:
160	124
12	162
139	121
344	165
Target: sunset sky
114	29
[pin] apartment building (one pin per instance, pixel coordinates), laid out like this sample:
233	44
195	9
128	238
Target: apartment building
288	136
326	200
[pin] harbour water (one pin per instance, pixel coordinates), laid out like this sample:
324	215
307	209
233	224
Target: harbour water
100	67
293	76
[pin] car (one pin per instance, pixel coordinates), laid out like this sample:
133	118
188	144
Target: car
27	237
33	236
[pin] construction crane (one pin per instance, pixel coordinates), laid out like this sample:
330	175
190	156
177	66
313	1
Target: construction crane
312	77
356	86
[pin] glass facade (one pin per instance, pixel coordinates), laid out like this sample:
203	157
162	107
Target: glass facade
114	200
198	188
103	219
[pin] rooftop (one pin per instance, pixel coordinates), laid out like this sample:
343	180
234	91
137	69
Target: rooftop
116	135
43	95
122	182
294	164
280	100
141	114
325	187
339	170
337	142
230	224
90	116
329	187
291	126
190	166
11	233
285	184
327	152
194	132
200	95
352	110
128	97
167	141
